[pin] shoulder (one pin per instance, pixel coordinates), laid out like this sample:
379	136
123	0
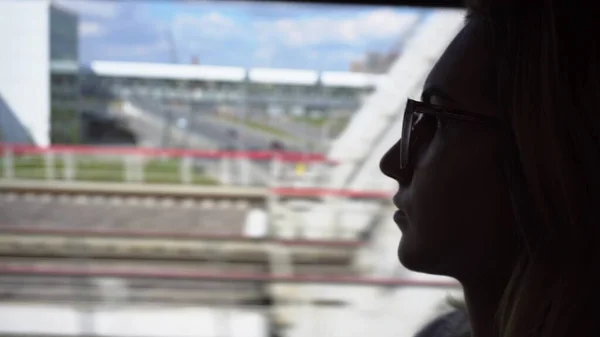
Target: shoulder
452	324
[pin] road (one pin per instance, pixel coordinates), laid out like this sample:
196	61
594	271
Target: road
305	132
218	131
150	130
201	132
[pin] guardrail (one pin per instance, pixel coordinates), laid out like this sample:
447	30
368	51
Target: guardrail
96	245
177	236
181	191
222	277
152	165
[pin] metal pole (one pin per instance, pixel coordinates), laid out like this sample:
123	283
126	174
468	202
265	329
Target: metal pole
243	115
187	92
78	107
166	117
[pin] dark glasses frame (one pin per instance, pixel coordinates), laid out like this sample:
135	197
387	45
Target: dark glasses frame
414	108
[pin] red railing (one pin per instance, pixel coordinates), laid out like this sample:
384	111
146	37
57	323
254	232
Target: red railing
285	156
127	167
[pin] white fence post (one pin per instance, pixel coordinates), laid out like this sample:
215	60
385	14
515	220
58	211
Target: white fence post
130	163
69	166
185	170
275	171
336	205
127	167
273	198
141	168
49	165
225	171
244	167
9	164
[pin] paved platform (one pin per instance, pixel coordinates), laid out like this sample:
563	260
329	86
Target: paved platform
72	187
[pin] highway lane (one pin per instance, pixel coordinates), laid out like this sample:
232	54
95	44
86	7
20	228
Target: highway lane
201	130
151	131
219	131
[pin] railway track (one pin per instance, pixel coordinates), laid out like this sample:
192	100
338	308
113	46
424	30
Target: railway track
253	195
46	287
149	281
65	244
224	217
143	194
153	281
75	210
168	267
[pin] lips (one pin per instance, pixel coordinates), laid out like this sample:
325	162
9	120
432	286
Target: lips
398	202
400	217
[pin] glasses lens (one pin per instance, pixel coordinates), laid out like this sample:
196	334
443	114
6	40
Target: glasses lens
407	126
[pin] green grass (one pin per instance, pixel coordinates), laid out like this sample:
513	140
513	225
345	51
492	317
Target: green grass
156	171
266	128
260	127
314	121
335	125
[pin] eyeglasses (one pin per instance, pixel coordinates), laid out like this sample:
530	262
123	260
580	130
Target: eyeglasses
416	111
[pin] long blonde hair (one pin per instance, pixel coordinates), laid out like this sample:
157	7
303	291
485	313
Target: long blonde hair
548	84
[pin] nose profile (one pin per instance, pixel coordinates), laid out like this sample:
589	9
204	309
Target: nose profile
390	164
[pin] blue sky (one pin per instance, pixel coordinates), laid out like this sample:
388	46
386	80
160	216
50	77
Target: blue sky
237	33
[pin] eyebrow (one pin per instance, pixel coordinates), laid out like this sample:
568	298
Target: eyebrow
430	92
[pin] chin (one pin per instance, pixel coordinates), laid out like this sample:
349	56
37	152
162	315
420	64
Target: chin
418	258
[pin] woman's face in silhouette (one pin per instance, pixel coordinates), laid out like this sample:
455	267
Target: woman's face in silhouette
455	211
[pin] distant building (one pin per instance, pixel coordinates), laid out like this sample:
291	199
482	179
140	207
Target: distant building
374	62
44	90
65	114
26	97
357	67
230	89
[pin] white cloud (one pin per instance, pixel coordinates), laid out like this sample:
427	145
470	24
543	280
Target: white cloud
98	9
90	29
146	50
376	24
213	25
264	54
344	56
132	52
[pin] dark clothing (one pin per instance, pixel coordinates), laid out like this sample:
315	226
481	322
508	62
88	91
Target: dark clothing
452	324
